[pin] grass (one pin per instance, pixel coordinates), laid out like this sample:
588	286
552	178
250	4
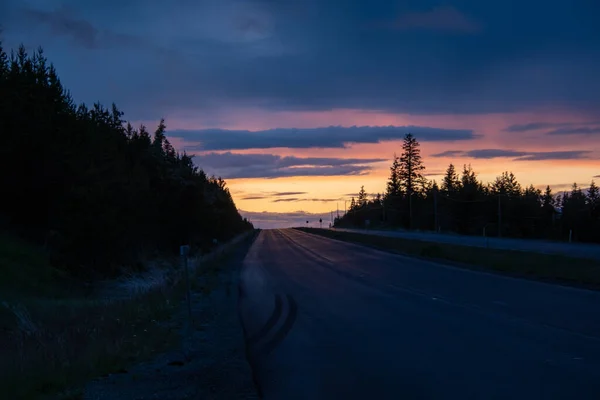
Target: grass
552	268
55	339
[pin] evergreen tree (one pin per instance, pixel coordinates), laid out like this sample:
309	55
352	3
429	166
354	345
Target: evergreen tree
394	188
451	181
362	197
506	184
107	191
410	165
548	201
593	197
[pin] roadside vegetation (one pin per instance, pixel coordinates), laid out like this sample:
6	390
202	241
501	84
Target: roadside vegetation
552	268
55	340
461	203
92	215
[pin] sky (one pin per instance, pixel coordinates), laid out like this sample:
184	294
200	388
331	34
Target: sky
298	103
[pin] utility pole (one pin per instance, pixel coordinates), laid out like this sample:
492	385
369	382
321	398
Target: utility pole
499	215
345	209
338	210
435	211
410	219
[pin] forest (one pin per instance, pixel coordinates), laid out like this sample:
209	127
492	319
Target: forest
90	189
462	204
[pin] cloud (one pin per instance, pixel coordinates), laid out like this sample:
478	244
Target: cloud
84	33
449	153
307	200
234	166
267	195
445	18
287	193
534	126
596	176
237	56
537	126
555	155
517	155
325	137
575	131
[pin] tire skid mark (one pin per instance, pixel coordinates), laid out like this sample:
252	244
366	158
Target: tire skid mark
275	316
281	334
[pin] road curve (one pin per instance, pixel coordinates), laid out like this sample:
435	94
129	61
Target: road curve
331	320
578	250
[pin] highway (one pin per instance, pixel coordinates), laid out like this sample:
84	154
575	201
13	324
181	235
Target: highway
325	319
579	250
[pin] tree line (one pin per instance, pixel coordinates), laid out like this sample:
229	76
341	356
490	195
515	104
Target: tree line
461	203
91	189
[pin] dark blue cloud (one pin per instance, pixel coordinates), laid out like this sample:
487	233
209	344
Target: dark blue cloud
586	130
559	128
330	137
318	55
233	166
517	155
535	126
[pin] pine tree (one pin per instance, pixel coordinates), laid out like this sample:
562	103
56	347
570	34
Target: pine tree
362	197
410	165
593	198
470	188
394	188
506	184
548	201
159	136
451	181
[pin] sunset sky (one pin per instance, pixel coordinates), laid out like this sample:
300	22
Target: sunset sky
299	103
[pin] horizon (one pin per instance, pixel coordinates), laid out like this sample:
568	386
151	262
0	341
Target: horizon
297	119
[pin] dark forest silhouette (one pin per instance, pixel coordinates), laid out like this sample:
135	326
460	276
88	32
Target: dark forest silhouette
94	191
463	204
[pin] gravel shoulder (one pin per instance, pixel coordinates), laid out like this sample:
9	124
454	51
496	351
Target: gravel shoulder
210	361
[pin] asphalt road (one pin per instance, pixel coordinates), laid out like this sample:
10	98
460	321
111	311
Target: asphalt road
580	250
331	320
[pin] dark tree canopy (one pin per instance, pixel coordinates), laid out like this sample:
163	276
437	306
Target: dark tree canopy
463	204
95	191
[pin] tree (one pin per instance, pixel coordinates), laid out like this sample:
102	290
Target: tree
394	188
548	201
108	191
362	197
409	171
593	198
410	165
506	184
470	188
451	181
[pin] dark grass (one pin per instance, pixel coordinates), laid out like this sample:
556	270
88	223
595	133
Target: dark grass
56	341
570	271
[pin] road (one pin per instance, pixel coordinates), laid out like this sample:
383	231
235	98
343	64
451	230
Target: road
580	250
331	320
